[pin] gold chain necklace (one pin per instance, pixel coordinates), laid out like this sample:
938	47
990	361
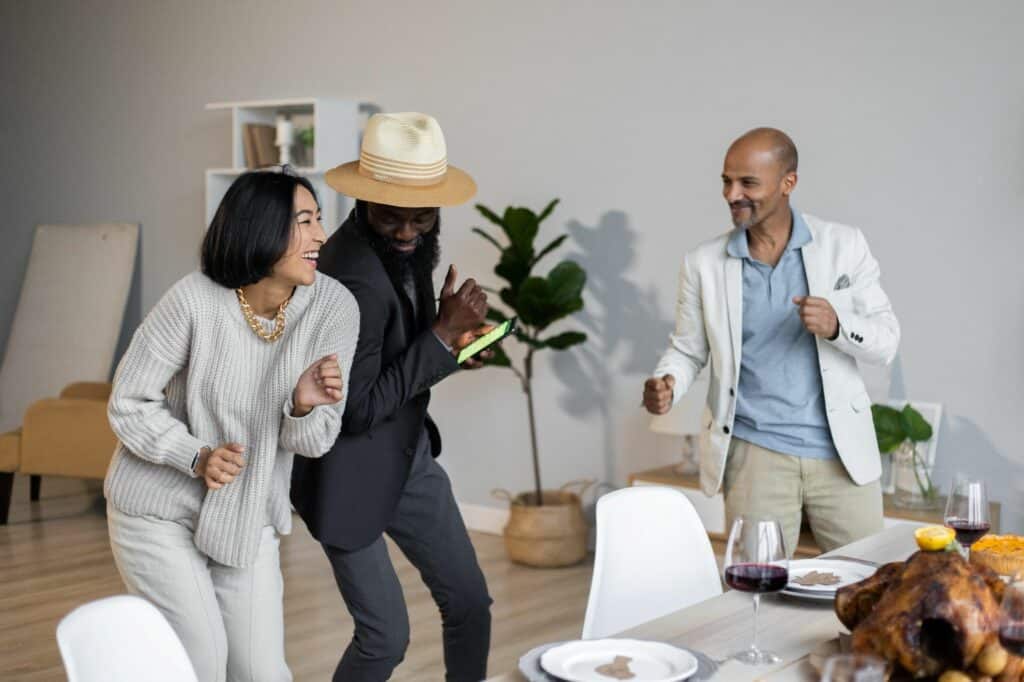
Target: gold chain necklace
255	325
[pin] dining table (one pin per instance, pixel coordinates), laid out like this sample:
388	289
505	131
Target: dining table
794	629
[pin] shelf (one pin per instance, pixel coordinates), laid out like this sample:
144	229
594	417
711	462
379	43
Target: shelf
295	102
337	125
301	170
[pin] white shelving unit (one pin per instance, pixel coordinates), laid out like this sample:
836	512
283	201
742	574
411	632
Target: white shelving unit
337	126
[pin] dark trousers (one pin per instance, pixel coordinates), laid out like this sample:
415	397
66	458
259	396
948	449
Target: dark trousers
429	530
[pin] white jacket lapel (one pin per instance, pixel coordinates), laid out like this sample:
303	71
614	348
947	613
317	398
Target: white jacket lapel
734	298
811	254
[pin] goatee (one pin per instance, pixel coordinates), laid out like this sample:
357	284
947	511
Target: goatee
419	264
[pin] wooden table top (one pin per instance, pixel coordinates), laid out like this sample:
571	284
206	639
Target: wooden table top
790	628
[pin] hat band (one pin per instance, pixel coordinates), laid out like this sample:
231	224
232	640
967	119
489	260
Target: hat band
401	172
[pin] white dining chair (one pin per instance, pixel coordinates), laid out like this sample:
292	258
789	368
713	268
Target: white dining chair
121	639
652	557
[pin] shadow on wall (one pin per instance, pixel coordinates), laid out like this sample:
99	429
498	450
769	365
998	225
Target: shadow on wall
626	333
965	447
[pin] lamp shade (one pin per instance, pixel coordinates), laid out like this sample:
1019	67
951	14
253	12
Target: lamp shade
685	416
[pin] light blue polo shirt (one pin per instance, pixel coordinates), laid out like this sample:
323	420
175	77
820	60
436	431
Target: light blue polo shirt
780	403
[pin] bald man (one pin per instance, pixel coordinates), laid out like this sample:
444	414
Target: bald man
783	306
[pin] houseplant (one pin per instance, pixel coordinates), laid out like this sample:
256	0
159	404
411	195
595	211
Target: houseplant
898	433
546	527
306	137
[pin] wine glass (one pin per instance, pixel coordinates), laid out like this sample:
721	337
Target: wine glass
853	668
967	511
1011	619
755	561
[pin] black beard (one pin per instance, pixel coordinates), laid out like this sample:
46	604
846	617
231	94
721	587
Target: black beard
420	263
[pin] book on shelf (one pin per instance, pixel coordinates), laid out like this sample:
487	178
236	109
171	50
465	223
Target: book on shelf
260	150
249	145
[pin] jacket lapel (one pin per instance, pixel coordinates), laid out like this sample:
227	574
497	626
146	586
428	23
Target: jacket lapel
734	301
811	255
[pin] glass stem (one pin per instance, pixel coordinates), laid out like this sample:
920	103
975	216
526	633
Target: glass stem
757	603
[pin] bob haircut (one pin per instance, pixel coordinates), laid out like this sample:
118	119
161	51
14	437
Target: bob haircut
252	228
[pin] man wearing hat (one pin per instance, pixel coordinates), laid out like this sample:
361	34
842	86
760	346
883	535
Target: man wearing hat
380	476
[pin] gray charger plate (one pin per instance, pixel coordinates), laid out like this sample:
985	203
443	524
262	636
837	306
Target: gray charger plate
529	665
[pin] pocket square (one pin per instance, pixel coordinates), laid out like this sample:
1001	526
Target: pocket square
842	283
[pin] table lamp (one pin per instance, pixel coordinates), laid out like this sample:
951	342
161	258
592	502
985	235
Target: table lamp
684	419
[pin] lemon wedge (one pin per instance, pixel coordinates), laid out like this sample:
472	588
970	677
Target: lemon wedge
934	538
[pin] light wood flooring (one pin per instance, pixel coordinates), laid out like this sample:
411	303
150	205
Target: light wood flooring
54	556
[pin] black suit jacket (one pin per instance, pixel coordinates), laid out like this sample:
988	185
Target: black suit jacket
348	496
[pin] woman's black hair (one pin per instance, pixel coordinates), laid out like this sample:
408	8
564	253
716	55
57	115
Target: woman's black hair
252	228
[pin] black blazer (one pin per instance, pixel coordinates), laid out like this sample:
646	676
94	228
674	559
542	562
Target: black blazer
348	496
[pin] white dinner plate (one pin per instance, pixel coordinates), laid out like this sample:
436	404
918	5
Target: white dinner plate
648	661
825	598
848	572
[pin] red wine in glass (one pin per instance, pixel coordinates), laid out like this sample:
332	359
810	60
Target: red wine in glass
967	511
758	578
1012	638
756	562
967	533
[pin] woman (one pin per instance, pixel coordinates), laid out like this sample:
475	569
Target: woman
235	369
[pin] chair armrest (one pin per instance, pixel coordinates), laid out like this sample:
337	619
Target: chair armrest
90	390
67	437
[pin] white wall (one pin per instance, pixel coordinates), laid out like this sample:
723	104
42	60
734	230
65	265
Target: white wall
908	117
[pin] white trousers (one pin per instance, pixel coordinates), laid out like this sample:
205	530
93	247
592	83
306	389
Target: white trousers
230	620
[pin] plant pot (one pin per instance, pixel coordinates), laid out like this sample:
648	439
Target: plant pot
547	536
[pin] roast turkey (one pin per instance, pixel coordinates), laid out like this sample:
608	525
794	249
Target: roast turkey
932	613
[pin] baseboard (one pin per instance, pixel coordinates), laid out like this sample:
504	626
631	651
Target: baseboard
483	519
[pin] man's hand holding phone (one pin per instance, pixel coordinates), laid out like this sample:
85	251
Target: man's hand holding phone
476	361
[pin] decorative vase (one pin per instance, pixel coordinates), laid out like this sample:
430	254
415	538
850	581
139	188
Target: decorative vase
549	535
912	483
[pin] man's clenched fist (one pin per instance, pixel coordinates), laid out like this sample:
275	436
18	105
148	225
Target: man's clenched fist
658	394
818	316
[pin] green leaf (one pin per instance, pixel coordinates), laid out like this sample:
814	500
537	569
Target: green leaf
527	339
532	303
495	315
521	226
915	426
507	298
543	300
490	215
549	248
514	268
547	210
489	238
565	340
888	427
566	280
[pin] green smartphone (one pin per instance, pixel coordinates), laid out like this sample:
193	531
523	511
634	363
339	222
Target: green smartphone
490	338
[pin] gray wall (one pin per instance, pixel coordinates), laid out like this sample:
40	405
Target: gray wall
908	117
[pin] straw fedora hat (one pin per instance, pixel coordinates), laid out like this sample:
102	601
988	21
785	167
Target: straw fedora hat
403	162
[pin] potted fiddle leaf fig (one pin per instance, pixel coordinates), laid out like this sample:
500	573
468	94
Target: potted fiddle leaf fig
546	527
899	432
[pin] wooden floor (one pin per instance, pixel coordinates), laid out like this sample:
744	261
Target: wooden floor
54	556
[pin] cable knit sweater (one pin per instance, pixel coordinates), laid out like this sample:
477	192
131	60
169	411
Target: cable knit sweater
196	375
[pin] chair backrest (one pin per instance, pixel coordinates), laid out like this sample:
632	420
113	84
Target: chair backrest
69	313
121	639
652	557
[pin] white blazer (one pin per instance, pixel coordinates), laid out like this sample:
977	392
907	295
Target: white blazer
709	326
